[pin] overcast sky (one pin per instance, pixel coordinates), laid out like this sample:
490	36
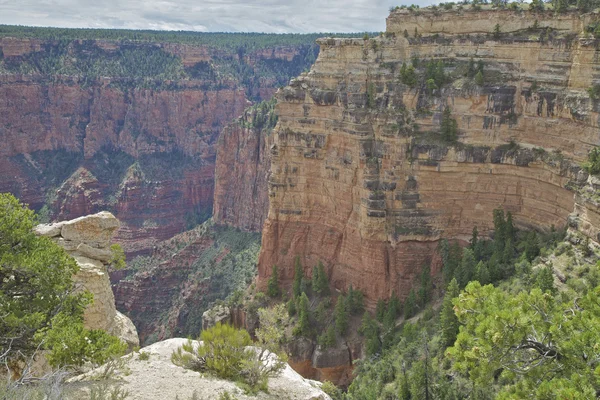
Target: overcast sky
278	16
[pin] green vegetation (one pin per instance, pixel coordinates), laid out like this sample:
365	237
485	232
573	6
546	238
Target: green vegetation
232	41
37	305
117	261
225	352
224	269
592	165
273	283
448	127
320	283
261	116
311	303
594	92
524	336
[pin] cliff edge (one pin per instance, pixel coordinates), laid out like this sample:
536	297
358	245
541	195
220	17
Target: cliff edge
88	240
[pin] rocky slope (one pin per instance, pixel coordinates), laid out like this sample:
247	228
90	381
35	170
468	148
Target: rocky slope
362	178
88	240
157	378
127	126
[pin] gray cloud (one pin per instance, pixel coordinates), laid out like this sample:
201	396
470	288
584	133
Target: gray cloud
275	16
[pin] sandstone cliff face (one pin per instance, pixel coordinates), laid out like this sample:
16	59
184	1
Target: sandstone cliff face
88	240
143	147
361	178
243	170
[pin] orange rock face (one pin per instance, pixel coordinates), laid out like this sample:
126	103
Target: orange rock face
361	178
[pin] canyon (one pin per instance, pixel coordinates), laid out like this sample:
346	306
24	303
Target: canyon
362	178
129	126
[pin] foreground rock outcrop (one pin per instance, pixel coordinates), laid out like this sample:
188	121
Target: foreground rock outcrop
88	240
362	178
157	378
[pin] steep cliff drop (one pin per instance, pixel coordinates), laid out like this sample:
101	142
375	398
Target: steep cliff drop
88	240
243	168
367	174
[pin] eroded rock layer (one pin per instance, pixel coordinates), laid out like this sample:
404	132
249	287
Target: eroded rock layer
362	178
129	127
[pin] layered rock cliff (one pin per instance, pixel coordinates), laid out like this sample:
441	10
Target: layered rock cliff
243	169
365	177
87	239
127	126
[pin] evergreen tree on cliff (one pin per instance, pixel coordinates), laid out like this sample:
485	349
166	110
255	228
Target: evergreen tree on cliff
298	275
38	307
273	283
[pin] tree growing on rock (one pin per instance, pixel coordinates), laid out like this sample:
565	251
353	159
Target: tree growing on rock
341	316
273	283
448	127
38	306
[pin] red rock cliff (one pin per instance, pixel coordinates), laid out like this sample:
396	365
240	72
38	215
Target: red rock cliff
243	169
363	181
141	146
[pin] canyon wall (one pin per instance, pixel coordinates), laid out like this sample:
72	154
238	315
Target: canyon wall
131	127
243	169
362	178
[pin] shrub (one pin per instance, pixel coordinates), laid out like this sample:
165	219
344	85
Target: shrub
592	165
117	260
225	352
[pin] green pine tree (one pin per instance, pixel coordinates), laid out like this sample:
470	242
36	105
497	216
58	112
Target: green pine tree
479	80
426	286
298	275
482	274
466	272
545	280
323	281
315	280
404	390
291	306
449	127
303	327
510	227
380	310
497	32
273	283
341	316
448	320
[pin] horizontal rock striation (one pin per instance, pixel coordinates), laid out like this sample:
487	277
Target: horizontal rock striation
361	177
139	141
88	240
